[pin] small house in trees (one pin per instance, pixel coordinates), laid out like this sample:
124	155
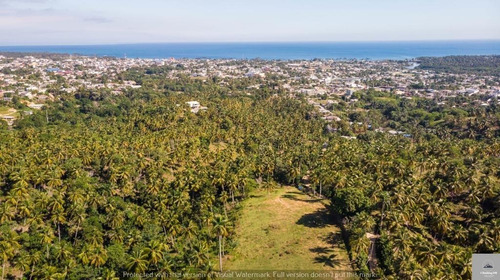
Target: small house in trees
195	106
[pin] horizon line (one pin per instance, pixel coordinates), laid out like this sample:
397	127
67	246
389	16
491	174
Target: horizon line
257	42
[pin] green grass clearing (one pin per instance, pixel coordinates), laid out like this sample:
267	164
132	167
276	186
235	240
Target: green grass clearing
6	111
286	230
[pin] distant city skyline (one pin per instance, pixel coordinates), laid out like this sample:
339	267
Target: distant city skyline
58	22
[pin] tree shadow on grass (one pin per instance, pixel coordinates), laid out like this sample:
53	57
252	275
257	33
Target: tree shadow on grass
296	192
321	250
328	260
318	219
292	196
334	238
325	254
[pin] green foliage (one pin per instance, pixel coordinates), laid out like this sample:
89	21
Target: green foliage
386	254
485	65
97	184
349	201
136	183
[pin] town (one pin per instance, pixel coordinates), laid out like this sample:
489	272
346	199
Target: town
34	80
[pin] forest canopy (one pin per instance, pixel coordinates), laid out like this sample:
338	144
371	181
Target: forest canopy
98	184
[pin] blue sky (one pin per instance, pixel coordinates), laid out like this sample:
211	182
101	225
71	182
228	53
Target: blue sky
53	22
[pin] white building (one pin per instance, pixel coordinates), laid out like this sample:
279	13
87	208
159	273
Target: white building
36	106
193	104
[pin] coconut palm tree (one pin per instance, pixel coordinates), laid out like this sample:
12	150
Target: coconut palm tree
8	249
137	262
220	229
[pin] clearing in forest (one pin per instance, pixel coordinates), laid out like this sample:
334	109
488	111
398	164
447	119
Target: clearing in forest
286	230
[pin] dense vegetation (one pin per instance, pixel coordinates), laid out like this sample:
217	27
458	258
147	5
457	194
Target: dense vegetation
460	64
98	184
433	203
134	183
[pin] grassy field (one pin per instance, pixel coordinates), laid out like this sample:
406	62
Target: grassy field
6	111
286	230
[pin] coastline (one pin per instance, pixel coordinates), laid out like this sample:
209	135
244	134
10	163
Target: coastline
390	50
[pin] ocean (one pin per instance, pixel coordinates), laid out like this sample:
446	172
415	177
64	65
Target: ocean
282	51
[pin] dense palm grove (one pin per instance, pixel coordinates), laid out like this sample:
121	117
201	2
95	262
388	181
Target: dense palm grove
98	185
432	203
463	64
